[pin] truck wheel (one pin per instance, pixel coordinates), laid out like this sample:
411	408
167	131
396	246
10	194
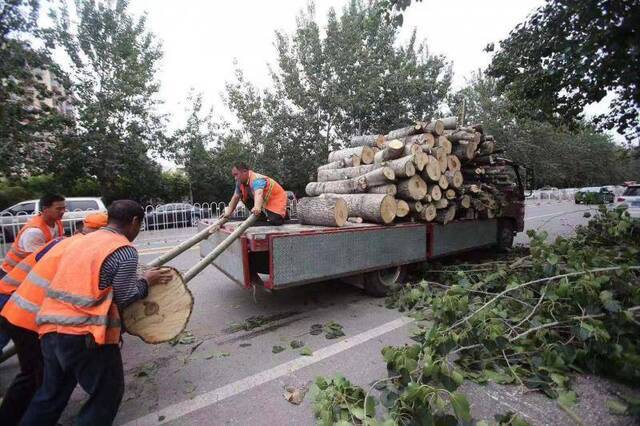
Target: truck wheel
505	235
380	283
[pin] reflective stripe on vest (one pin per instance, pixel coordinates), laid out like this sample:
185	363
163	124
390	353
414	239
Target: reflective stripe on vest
15	255
38	280
85	302
11	281
81	320
24	303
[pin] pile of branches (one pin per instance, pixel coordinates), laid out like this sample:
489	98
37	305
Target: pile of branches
569	306
429	171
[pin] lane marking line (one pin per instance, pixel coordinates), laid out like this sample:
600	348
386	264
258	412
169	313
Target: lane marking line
552	214
180	409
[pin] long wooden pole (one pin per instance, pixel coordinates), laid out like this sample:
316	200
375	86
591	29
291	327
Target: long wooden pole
206	261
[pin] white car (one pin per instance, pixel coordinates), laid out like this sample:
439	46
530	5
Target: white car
630	198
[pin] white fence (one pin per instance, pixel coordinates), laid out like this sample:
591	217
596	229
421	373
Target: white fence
566	193
161	217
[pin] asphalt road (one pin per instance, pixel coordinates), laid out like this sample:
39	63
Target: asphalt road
233	377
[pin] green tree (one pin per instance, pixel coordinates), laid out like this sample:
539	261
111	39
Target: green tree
113	62
569	54
28	129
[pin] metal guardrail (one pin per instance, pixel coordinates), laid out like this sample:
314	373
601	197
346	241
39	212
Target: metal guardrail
566	193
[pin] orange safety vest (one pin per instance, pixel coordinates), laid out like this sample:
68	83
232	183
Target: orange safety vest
74	303
275	198
24	304
15	255
10	282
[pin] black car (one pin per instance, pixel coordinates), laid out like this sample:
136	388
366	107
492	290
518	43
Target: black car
173	215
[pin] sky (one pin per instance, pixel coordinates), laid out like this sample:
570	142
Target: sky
202	38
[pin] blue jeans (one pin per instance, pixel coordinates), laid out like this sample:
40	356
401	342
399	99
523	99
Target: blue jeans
69	360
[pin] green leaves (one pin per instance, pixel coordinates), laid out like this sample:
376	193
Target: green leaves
461	407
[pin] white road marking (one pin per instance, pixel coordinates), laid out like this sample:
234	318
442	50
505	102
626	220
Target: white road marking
180	409
160	250
553	214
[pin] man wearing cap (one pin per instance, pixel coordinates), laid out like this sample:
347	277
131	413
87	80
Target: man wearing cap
17	317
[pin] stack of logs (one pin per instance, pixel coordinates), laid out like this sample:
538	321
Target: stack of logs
430	171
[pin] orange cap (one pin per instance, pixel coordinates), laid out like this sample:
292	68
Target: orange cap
95	220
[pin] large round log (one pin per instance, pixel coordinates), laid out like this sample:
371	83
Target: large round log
367	140
322	211
465	150
450	123
444	143
436	127
453	163
403	167
428	213
379	176
404	131
388	189
328	175
420	159
423	139
445	216
348	186
455	179
352	161
442	203
465	136
364	152
434	192
376	208
442	161
465	201
402	209
413	188
432	170
392	150
443	183
163	314
332	166
412	148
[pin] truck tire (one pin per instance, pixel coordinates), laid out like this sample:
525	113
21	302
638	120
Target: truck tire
379	283
505	235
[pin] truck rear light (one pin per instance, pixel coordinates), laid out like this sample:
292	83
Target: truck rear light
621	199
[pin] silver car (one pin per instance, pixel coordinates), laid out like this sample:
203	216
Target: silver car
12	218
630	199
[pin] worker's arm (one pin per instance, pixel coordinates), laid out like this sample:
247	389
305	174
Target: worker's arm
31	240
258	198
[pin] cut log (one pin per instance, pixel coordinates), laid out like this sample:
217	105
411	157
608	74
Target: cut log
465	150
332	166
413	188
403	167
434	192
410	149
436	127
392	150
450	123
442	161
432	171
355	219
376	208
465	136
471	188
465	201
328	175
428	213
349	186
352	161
424	139
404	132
444	143
380	176
367	140
322	211
402	208
443	183
450	194
445	216
453	163
442	203
487	147
455	179
415	206
420	159
364	152
389	189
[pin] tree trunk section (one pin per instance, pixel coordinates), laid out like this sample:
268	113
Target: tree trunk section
428	213
353	161
453	163
404	132
328	175
432	170
389	189
443	142
413	188
376	208
436	127
465	136
349	186
403	167
367	140
450	194
423	139
402	208
465	201
355	219
445	216
420	159
323	211
442	203
443	183
393	149
434	192
380	176
364	152
455	179
415	206
465	150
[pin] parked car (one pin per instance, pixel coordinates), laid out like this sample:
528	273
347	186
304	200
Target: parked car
594	195
630	199
173	215
12	218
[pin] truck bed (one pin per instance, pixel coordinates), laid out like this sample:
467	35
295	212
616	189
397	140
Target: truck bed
294	254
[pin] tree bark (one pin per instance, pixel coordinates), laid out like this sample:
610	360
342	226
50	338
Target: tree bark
442	203
450	123
323	211
332	166
353	161
432	170
379	176
367	140
355	219
389	189
349	186
465	150
465	136
364	152
412	148
376	208
444	143
404	166
328	175
413	188
436	127
445	216
434	192
453	163
402	208
428	213
404	132
393	149
455	179
424	139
